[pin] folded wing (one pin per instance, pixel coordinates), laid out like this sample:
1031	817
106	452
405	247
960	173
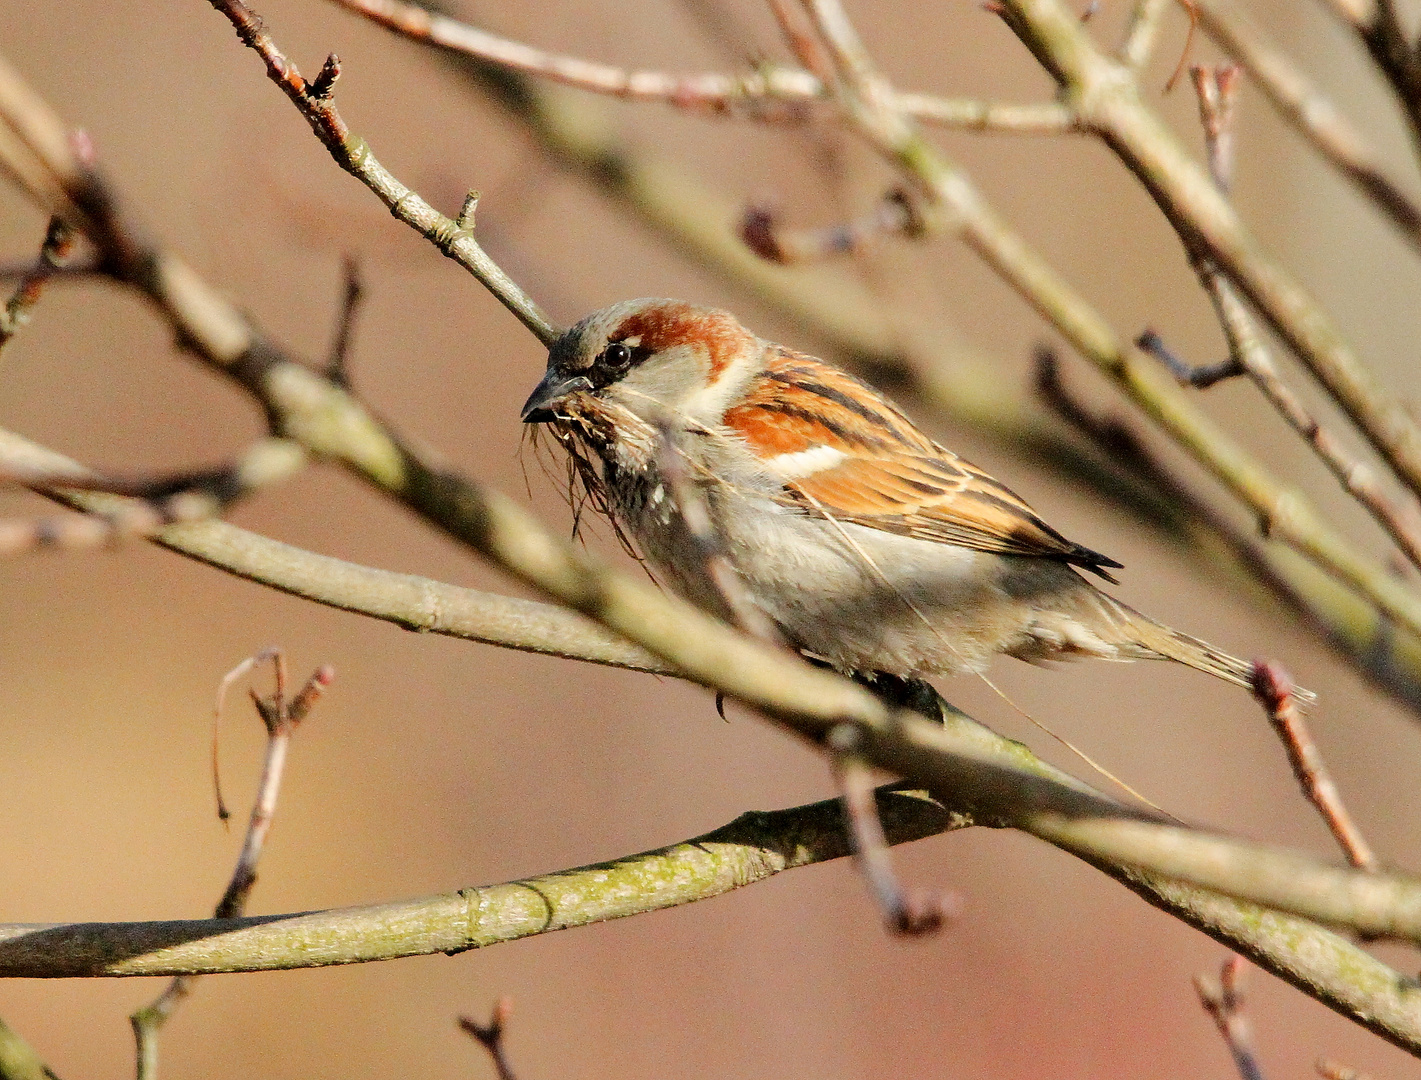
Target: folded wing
843	450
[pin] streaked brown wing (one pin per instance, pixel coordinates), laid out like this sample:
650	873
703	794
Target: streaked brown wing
894	477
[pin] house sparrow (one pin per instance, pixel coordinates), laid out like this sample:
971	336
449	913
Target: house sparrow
864	542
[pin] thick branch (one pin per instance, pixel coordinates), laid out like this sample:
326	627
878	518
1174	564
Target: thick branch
753	847
1327	967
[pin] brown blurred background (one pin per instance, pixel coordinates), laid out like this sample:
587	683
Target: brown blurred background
435	764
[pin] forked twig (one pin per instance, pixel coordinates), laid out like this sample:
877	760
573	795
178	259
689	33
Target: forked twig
1199	376
490	1036
1224	1003
1216	88
896	214
1373	653
281	717
770	92
1315	116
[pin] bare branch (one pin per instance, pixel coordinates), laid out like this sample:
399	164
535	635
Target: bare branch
1274	689
1248	353
1283	512
1110	103
409	601
957	385
1379	25
151	505
313	100
700	647
1370	641
804	700
752	848
771	92
1309	111
1200	377
902	913
894	215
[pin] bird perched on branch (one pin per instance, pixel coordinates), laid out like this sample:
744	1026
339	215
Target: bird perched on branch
861	540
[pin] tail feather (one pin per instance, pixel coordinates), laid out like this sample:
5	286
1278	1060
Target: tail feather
1159	641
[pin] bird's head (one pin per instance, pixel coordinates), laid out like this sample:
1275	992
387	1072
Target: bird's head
665	361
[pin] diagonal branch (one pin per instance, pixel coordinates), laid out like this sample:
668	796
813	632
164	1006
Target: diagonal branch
149	504
1108	98
1320	963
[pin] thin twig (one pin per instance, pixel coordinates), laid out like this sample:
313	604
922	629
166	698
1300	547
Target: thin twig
1109	100
770	681
1274	689
944	379
1224	1004
770	92
1142	31
351	153
1201	376
490	1036
1374	652
53	254
1394	52
1322	964
903	913
953	202
337	359
280	718
504	534
807	701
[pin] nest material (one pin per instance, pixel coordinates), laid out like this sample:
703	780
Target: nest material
584	427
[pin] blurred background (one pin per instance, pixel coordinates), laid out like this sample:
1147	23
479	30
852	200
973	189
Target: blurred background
435	764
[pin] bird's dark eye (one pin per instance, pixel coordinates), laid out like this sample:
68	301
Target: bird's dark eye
617	356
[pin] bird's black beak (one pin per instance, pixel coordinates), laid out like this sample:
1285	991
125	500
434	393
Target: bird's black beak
539	408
